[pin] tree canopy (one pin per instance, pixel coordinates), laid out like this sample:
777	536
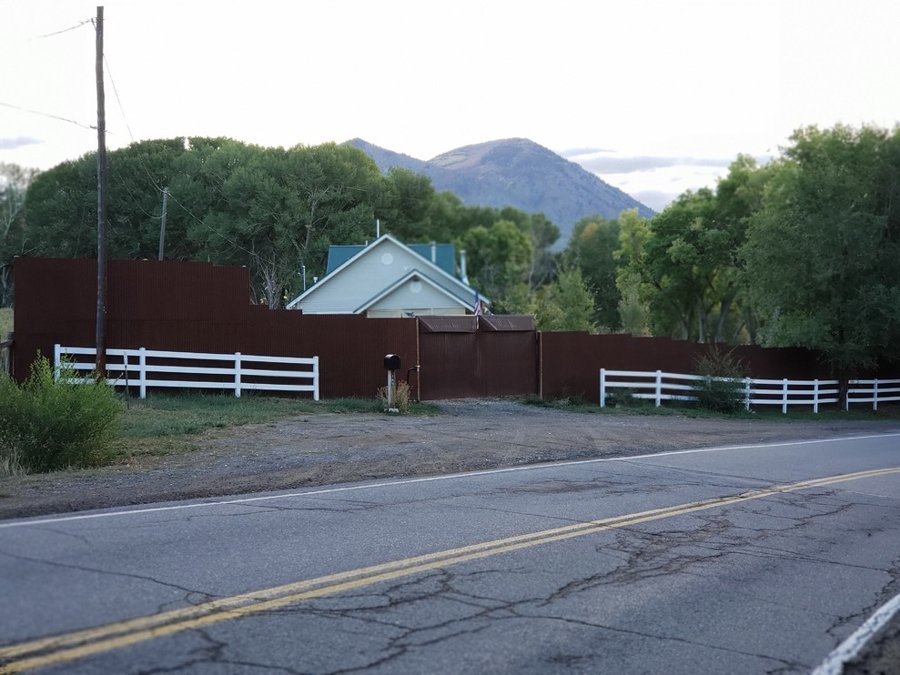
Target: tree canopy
823	248
274	210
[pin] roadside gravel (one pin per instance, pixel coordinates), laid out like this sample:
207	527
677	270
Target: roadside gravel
320	449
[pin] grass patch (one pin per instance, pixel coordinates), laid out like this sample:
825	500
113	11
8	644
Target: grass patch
684	409
6	322
164	424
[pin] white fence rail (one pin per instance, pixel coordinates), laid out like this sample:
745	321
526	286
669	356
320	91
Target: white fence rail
658	386
873	391
141	368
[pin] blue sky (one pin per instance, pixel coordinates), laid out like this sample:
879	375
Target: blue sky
655	96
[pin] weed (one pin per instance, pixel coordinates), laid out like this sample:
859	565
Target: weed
722	387
399	398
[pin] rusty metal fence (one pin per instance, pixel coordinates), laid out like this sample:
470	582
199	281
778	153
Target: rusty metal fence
200	307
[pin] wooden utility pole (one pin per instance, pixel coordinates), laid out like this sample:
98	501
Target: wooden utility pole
102	180
162	223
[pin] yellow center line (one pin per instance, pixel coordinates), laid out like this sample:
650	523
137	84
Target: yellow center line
78	644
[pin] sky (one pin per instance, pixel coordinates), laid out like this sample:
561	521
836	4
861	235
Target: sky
654	96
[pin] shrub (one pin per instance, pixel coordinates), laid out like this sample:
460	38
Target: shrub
622	397
400	397
722	389
48	425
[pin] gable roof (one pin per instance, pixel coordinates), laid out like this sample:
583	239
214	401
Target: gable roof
410	276
462	293
443	255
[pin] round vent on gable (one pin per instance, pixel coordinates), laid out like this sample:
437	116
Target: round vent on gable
387	259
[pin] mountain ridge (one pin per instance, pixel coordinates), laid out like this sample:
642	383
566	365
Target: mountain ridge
515	172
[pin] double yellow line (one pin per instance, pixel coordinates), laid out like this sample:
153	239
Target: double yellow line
79	644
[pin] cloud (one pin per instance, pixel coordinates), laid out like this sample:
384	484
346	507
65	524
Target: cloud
578	152
655	199
621	164
18	142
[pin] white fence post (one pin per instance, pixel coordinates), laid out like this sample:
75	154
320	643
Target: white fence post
747	394
603	387
784	395
816	396
57	356
142	370
315	372
875	395
237	374
658	388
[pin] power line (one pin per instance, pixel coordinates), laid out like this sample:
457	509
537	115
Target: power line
159	189
50	115
65	30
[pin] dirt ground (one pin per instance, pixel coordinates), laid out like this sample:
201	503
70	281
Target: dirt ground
320	449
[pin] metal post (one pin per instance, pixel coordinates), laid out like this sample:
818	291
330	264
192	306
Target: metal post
784	395
603	387
816	396
875	395
658	388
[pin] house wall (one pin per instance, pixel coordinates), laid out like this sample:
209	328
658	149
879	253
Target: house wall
377	269
417	297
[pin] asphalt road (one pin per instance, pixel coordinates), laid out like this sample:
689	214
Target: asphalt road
732	560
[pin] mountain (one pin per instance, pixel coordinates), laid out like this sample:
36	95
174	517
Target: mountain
515	172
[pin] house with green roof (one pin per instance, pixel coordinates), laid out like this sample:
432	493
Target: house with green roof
387	278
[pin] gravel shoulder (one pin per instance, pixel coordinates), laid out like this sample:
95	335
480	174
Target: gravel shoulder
323	449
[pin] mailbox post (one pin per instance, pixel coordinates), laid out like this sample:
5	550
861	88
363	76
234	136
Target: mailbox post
391	365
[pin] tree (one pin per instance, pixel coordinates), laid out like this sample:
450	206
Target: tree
407	201
592	249
690	262
270	209
565	304
633	307
499	258
822	251
13	184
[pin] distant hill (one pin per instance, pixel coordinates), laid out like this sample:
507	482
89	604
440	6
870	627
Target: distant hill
515	172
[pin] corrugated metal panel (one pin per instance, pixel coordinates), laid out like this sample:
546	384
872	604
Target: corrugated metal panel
447	324
571	362
506	322
469	364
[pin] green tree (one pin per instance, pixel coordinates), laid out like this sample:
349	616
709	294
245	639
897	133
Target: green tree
13	185
499	259
592	249
405	211
690	264
634	293
565	304
822	251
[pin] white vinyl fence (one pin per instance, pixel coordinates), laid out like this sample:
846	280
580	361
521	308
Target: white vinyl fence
873	391
142	368
658	386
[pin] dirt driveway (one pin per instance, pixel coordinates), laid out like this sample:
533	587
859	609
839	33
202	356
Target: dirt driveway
321	449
